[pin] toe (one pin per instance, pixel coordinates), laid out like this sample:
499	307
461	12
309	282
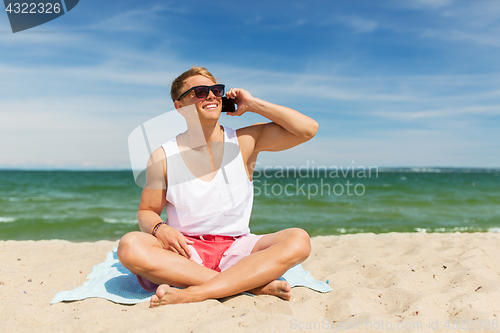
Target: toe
154	302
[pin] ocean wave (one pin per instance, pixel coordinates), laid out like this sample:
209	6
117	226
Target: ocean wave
433	170
494	229
353	230
15	199
447	230
55	217
39	199
7	219
127	221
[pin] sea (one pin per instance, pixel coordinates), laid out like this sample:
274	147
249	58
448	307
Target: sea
102	205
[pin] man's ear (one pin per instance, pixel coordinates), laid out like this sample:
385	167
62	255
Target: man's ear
177	104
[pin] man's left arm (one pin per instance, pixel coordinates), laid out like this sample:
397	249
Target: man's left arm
288	128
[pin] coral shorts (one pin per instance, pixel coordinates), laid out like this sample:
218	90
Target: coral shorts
215	252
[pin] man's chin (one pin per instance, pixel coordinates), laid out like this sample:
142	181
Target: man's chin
211	117
215	114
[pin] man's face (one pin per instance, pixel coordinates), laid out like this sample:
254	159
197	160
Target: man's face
208	108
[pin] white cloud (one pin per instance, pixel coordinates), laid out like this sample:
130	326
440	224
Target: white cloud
359	24
448	112
133	20
478	38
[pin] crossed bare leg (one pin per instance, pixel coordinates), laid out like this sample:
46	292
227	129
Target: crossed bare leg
168	295
252	273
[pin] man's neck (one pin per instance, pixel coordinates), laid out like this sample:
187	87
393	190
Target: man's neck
197	136
213	132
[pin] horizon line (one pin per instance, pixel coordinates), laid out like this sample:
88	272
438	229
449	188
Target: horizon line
316	168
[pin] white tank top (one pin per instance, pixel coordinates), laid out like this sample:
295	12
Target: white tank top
221	206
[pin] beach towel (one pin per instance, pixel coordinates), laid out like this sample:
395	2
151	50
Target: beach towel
112	281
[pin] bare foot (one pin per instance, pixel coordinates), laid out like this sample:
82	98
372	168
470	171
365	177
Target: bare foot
168	295
277	288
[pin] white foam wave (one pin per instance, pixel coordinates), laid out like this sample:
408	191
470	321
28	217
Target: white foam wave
7	219
433	170
40	199
13	199
113	221
455	229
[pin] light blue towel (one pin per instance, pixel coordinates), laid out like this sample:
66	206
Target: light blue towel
112	281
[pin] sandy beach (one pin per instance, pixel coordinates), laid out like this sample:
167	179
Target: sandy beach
413	282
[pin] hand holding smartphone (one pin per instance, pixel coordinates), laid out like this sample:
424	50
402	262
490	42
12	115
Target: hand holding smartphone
228	105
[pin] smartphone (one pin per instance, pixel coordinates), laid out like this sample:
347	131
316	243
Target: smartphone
228	105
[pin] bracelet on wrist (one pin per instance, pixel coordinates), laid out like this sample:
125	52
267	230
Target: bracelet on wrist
156	227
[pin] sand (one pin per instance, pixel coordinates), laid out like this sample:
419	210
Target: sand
391	282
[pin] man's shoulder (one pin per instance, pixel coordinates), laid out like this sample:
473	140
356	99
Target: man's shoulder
158	154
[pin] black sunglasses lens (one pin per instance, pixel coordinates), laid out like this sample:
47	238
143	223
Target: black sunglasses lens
218	90
201	92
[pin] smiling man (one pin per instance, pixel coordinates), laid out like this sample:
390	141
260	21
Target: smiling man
204	179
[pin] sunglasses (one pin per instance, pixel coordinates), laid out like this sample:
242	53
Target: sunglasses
203	91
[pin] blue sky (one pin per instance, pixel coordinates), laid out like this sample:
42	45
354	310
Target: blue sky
392	83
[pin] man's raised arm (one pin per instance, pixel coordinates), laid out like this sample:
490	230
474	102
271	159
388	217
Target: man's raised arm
288	128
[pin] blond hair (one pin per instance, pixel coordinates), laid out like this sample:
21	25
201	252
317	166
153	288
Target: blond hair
177	84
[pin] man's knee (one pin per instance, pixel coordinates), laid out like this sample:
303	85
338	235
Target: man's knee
129	249
299	244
